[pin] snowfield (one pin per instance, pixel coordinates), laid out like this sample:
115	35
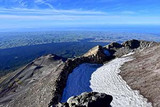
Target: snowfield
104	79
79	80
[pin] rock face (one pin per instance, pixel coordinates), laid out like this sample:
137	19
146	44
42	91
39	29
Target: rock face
132	44
92	99
97	55
114	45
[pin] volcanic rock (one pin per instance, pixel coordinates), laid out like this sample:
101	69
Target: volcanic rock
92	99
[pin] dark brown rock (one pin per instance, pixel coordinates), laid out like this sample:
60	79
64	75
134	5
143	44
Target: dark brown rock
92	99
118	50
114	45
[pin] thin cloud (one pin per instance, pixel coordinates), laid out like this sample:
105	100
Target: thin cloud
48	12
45	3
23	18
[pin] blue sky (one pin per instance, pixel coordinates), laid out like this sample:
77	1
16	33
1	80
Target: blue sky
28	14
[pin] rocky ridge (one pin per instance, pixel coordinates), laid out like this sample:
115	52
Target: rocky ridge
117	50
41	83
32	84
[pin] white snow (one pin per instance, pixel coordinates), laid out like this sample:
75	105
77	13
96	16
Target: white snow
131	53
79	80
106	80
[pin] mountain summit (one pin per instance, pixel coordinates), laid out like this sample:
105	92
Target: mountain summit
42	82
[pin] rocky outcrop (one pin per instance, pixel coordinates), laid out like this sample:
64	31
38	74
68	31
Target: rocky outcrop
117	50
92	99
114	45
135	44
96	55
132	44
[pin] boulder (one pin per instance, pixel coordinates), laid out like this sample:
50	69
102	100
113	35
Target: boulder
132	44
113	45
92	99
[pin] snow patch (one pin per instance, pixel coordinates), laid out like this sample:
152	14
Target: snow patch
79	80
129	54
107	80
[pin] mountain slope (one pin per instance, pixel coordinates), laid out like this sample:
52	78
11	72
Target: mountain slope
32	85
143	73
